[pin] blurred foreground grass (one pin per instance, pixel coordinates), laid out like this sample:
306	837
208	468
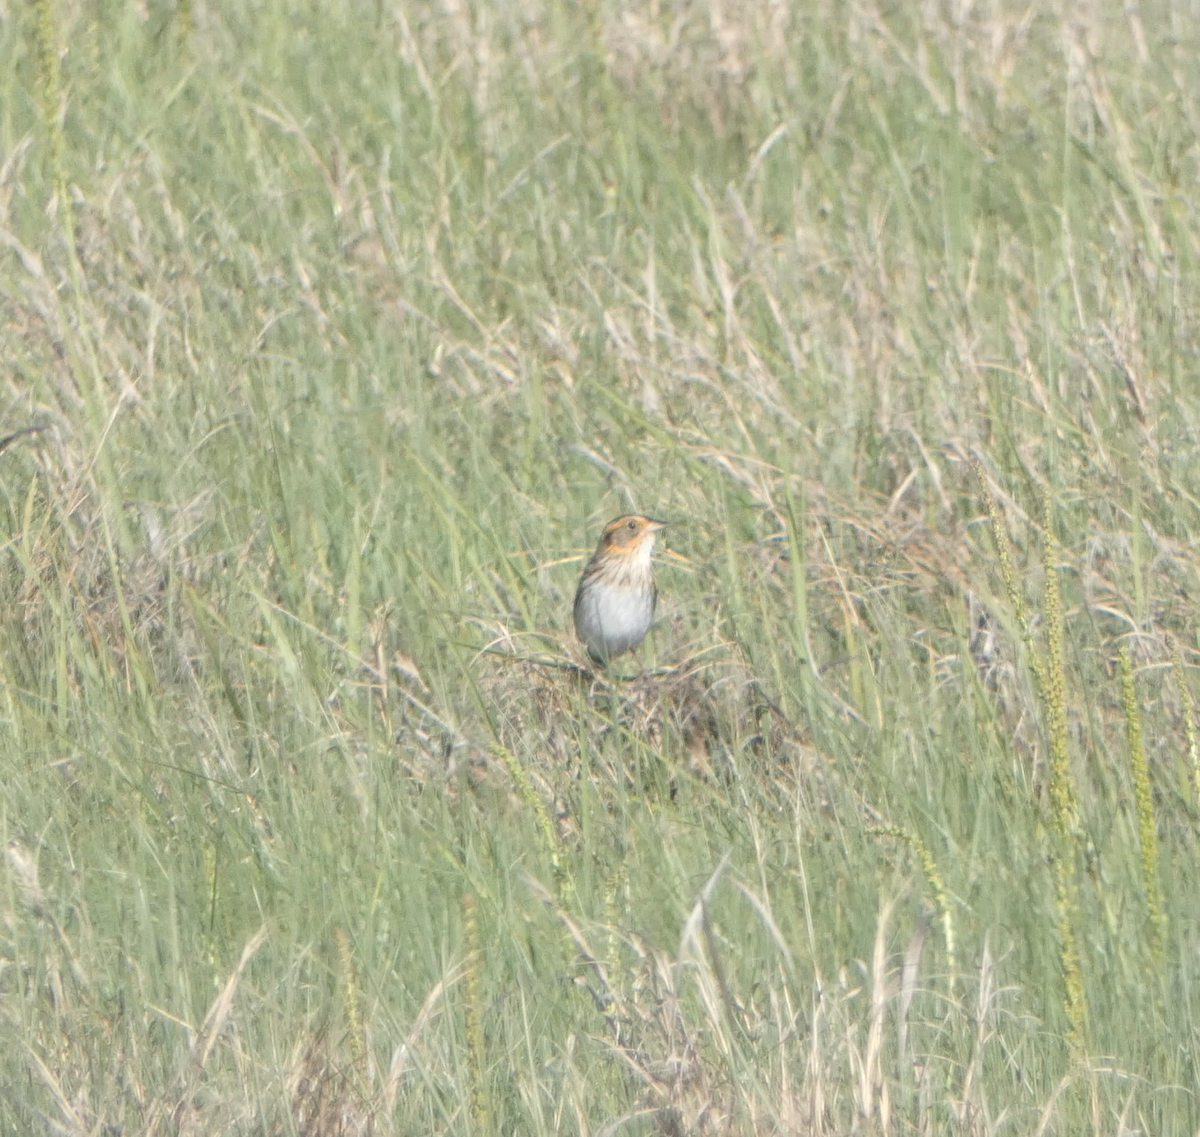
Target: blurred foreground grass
349	326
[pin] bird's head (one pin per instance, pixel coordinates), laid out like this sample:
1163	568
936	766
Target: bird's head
631	534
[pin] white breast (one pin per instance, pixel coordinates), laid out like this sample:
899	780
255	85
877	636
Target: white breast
612	619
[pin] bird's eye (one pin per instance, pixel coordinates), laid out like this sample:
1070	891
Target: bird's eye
632	524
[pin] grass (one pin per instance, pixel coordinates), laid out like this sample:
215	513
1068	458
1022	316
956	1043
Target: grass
348	327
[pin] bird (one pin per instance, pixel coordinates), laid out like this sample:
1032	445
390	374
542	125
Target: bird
614	603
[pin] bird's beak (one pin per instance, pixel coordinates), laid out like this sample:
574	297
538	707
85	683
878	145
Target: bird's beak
655	526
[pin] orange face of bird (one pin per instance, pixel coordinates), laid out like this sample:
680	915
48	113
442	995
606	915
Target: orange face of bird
625	534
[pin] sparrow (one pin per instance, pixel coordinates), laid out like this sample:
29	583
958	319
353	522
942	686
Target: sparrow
614	603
